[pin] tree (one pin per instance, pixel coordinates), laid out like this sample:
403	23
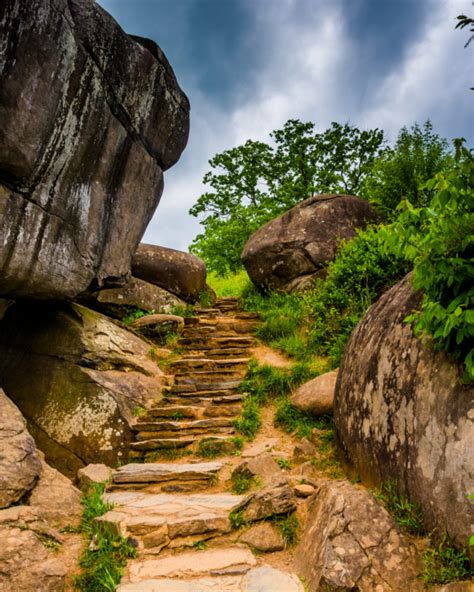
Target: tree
253	183
401	171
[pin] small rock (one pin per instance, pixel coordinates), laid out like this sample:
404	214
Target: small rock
316	396
263	537
304	451
273	500
261	447
93	473
262	466
304	490
268	579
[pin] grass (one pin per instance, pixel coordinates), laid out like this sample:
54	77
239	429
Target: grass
237	519
210	448
133	313
405	513
200	545
106	554
231	285
443	564
249	421
288	526
242	483
284	464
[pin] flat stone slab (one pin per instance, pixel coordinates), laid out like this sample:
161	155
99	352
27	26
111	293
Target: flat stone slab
259	579
167	504
158	472
260	448
227	561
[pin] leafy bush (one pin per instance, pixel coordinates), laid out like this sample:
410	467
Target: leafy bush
439	240
360	273
401	171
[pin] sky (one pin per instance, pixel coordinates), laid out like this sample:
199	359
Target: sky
247	66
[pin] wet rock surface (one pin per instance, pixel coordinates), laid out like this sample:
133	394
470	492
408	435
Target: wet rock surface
288	252
402	415
89	115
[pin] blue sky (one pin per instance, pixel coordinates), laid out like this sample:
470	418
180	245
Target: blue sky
248	66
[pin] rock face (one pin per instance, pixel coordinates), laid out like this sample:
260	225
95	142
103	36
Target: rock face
177	272
20	466
90	120
316	396
291	250
351	543
402	415
77	378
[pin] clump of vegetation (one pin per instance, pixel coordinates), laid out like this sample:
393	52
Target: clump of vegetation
297	422
284	464
241	483
249	421
237	520
231	284
211	448
439	241
183	311
106	555
288	526
443	564
405	513
133	313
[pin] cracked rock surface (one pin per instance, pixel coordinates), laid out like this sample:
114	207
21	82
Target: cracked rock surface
351	543
91	117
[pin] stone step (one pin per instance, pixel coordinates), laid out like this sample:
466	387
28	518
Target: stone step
173	426
194	376
144	436
219	353
177	412
188	365
146	473
197	388
215	342
227	561
162	443
157	520
257	579
195	399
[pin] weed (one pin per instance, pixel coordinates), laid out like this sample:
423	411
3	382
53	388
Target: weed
242	483
283	463
443	564
237	519
210	448
405	513
49	541
292	420
205	299
132	314
139	411
288	526
249	421
105	557
326	459
200	545
183	311
177	416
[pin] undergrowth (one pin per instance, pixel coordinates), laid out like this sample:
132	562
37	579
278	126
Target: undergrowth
106	554
288	526
230	285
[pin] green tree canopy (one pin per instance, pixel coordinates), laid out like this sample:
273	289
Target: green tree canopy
254	182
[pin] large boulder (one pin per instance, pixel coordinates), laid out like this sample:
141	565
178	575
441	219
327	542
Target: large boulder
134	294
290	251
20	466
403	415
351	543
77	378
316	396
91	118
177	272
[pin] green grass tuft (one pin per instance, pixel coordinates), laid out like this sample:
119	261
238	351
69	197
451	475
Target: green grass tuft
443	564
289	528
233	284
405	513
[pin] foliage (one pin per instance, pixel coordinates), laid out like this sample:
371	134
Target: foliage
252	183
182	311
297	422
283	463
357	277
249	421
237	520
443	563
105	557
465	21
288	526
211	448
231	284
400	171
439	240
132	314
405	513
241	483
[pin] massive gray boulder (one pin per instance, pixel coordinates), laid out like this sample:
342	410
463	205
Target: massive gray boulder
290	251
89	120
182	274
77	378
403	415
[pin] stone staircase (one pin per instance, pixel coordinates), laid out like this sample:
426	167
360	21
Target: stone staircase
203	401
176	513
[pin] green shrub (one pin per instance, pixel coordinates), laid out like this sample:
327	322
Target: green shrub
443	564
231	284
360	273
439	240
